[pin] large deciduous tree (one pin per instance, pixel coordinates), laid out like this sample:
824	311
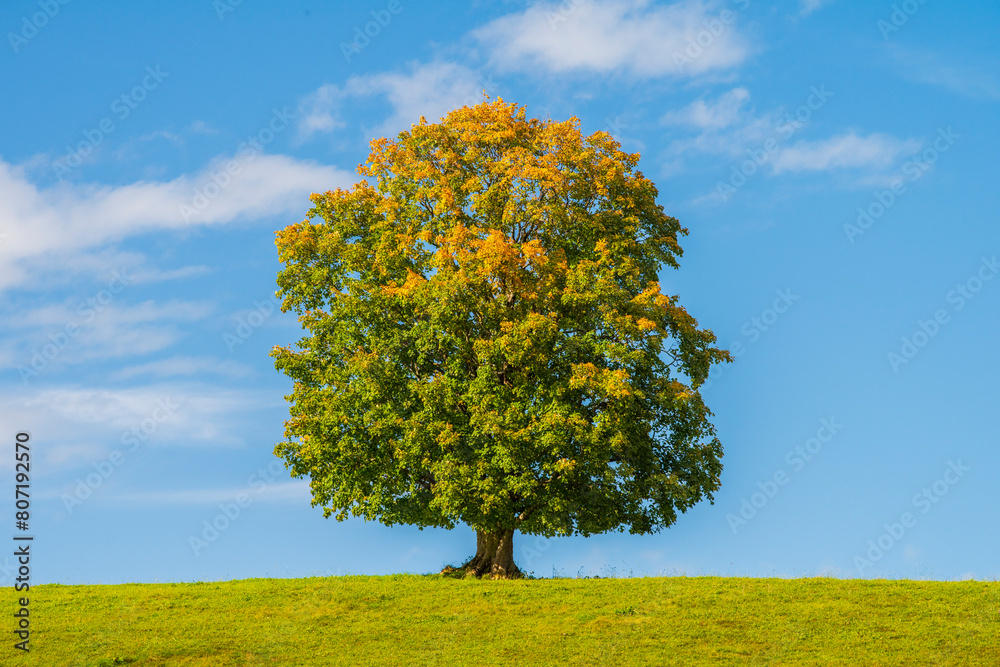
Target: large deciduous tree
487	342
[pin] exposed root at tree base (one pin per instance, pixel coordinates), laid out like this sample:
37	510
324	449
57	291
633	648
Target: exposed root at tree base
494	558
470	570
465	572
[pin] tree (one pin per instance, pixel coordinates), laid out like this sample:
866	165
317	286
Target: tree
487	341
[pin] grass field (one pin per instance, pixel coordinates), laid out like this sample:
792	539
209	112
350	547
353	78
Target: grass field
432	620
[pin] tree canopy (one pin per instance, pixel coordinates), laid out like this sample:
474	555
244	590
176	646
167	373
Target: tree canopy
486	339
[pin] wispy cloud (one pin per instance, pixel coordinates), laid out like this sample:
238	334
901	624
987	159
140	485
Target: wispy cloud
163	134
47	338
294	491
935	69
809	6
118	317
99	264
149	274
846	151
181	366
61	455
201	127
186	414
423	89
727	110
637	37
728	127
319	111
725	126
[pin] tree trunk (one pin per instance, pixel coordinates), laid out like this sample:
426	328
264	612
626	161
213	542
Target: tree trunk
494	556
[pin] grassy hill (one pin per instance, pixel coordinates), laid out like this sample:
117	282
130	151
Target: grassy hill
431	620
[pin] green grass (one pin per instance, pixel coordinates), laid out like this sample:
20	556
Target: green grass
433	620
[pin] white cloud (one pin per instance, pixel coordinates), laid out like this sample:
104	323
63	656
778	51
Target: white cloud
429	89
875	151
725	111
46	227
635	36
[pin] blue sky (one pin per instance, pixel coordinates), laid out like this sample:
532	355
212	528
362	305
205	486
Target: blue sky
834	161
